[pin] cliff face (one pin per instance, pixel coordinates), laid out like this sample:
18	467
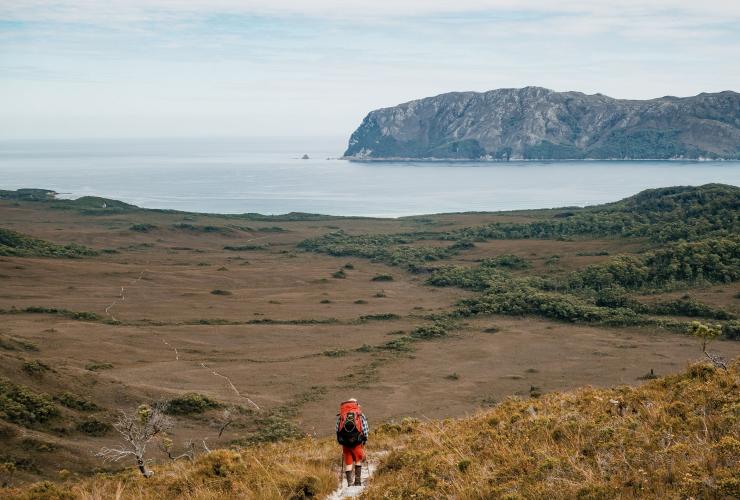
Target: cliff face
537	123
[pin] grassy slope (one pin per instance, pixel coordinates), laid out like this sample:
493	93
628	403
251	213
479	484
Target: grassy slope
674	437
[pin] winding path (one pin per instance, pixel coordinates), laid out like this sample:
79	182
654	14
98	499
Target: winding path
122	296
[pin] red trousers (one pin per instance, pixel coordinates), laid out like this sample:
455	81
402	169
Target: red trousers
355	454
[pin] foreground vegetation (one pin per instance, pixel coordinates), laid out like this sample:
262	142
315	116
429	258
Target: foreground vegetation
674	437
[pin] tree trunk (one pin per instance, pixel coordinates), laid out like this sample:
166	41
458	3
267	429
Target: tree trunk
142	467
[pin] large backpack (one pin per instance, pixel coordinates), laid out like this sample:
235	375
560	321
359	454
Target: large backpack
349	432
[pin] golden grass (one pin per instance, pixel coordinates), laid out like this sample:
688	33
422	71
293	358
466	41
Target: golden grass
674	437
299	469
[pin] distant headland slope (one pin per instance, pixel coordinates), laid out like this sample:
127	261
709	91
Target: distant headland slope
538	123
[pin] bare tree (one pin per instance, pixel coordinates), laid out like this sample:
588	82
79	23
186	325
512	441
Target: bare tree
225	419
706	334
167	446
137	428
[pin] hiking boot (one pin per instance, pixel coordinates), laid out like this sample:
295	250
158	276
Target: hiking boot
348	475
358	475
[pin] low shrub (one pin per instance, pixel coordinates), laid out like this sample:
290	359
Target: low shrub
202	229
401	344
245	248
191	404
75	402
21	405
382	277
334	353
93	367
380	317
35	367
94	427
435	330
142	228
76	315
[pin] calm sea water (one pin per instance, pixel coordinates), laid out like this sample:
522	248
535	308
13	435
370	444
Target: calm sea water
268	176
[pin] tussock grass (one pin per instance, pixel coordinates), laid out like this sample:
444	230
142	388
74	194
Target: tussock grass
673	437
274	471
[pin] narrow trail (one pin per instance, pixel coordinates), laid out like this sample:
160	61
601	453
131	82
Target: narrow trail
231	384
122	295
368	469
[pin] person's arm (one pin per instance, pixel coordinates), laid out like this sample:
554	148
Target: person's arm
365	427
337	426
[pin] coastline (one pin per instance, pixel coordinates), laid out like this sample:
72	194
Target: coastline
511	160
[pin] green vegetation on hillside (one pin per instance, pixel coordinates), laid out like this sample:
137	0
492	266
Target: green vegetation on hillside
693	232
16	244
21	405
664	214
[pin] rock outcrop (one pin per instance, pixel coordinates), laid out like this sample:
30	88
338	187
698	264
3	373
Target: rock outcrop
537	123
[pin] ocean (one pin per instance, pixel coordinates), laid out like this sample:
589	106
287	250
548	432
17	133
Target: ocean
268	176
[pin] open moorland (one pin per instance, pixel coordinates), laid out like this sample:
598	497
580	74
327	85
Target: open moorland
249	329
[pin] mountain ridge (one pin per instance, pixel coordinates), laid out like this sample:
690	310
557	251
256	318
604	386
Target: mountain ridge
538	123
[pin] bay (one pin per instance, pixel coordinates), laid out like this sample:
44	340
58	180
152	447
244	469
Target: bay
267	175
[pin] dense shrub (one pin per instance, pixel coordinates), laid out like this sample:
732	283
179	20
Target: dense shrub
688	306
389	249
94	427
35	367
437	329
665	214
190	404
731	330
21	405
508	261
76	402
513	296
712	261
16	244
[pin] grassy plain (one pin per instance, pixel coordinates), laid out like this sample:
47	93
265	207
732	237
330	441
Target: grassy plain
165	299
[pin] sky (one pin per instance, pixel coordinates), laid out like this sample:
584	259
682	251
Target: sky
211	68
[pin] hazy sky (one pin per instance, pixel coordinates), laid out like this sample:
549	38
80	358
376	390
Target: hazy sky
142	68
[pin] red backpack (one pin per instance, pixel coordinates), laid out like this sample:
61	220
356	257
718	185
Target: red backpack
349	430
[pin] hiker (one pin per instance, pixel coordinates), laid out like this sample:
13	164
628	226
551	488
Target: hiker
352	430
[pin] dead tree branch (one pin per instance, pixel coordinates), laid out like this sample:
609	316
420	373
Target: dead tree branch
137	429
